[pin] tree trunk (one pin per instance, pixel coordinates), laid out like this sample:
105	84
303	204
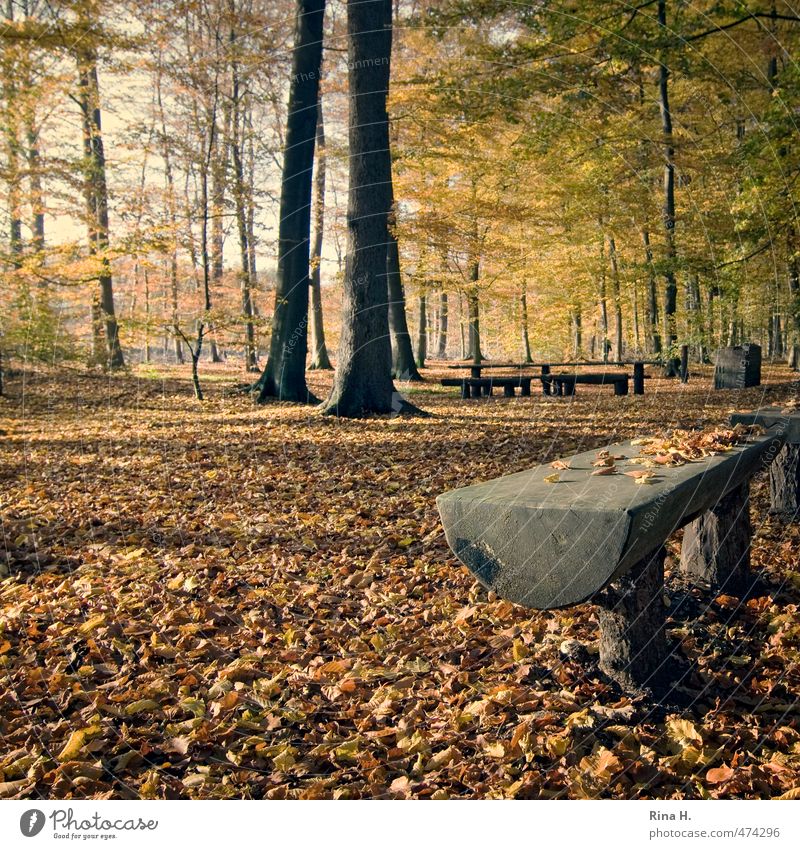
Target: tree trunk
404	366
319	350
422	330
96	190
670	285
651	303
363	382
441	347
173	220
616	295
577	333
241	191
474	315
284	376
526	342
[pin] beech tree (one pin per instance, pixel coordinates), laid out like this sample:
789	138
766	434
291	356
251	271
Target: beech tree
284	376
363	381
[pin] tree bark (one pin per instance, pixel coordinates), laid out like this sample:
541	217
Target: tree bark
716	545
404	366
422	330
284	376
670	285
651	302
363	382
96	190
319	350
526	341
632	615
616	296
240	190
441	347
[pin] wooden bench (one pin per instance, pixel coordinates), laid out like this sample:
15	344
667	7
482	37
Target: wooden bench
564	384
475	386
600	538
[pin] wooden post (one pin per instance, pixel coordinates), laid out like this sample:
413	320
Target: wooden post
546	385
784	482
621	386
638	378
684	368
633	644
716	545
465	389
525	387
508	390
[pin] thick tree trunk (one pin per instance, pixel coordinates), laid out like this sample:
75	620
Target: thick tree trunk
716	545
441	347
670	285
96	190
284	376
319	350
632	615
363	382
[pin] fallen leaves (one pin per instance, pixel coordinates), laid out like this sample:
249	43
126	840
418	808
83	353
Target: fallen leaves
293	625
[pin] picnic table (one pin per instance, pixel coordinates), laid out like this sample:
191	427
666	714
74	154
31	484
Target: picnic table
552	383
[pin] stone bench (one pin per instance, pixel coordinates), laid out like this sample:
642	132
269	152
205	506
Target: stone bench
600	538
476	386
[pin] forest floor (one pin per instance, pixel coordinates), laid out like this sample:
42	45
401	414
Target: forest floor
221	600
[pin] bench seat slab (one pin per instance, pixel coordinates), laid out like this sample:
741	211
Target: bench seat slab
548	545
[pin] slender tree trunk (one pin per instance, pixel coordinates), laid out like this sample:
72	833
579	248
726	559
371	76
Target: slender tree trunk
577	332
97	197
363	382
526	342
617	353
146	315
404	367
461	324
474	314
651	302
13	153
241	191
441	347
284	376
422	330
670	285
319	350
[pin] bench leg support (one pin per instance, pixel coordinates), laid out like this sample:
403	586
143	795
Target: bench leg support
525	388
508	390
633	645
716	545
784	482
465	390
